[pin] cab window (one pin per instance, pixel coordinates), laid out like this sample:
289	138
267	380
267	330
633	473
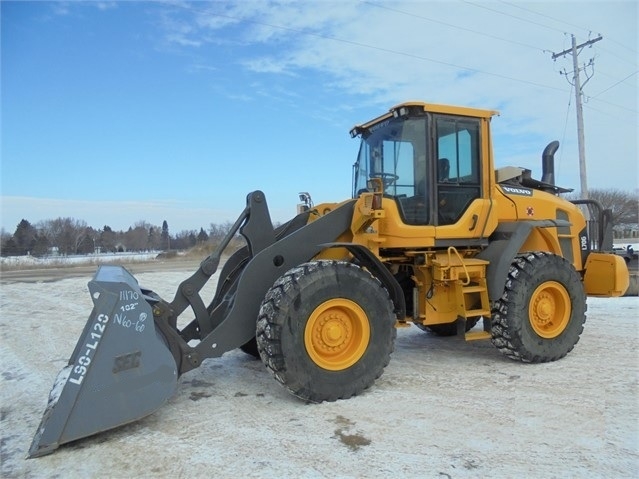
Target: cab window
457	166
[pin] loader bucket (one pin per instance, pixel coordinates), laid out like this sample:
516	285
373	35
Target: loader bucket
121	369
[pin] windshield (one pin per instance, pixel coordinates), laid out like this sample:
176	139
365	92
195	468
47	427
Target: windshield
394	150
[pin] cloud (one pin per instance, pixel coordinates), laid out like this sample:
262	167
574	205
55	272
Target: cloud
60	8
183	40
65	8
268	65
336	60
488	56
106	5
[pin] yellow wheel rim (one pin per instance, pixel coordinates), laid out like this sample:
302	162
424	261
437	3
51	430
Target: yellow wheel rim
549	309
337	334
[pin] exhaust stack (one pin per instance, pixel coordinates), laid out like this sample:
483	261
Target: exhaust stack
548	163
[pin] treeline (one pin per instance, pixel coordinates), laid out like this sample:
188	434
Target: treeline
623	204
68	236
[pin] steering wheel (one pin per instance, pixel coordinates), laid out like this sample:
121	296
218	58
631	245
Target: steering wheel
387	178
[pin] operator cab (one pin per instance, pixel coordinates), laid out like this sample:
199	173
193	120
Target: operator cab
428	161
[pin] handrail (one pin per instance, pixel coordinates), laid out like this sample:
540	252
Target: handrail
450	250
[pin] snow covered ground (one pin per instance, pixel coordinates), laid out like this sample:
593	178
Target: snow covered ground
624	243
48	261
444	408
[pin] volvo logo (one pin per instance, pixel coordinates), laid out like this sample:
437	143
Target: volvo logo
517	190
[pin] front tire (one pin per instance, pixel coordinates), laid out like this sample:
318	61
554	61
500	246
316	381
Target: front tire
227	292
541	314
326	330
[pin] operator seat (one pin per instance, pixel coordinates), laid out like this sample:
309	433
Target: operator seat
414	209
443	170
445	217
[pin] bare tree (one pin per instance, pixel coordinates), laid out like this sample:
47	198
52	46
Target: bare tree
137	238
86	241
184	239
219	231
66	234
624	205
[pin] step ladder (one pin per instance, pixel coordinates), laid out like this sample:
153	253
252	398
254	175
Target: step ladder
469	278
468	297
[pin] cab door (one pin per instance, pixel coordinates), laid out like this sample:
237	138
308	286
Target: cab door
461	209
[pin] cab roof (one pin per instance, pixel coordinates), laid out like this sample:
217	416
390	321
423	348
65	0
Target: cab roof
403	108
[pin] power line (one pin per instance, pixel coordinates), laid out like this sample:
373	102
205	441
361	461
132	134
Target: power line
513	16
622	45
544	15
365	45
614	85
574	51
563	136
611	53
625	60
421	17
589	30
386	50
589	106
632	110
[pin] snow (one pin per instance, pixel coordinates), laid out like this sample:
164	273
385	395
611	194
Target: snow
54	260
621	244
443	408
128	257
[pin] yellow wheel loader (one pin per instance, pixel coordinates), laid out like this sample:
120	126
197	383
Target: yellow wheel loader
433	236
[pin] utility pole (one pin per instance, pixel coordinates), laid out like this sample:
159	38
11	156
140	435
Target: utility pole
574	51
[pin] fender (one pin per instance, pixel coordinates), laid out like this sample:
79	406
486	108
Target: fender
234	326
505	243
376	267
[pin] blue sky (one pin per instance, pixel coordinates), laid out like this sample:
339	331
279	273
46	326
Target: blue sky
120	112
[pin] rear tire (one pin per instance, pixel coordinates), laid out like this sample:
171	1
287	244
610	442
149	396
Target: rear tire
541	314
326	330
448	329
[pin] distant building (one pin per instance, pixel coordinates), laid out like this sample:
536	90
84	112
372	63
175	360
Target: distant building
629	231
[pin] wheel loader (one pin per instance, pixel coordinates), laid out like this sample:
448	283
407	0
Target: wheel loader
433	236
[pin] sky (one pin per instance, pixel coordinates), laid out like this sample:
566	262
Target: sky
116	113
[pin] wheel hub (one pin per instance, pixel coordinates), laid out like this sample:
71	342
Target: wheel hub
549	309
337	334
334	331
544	308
